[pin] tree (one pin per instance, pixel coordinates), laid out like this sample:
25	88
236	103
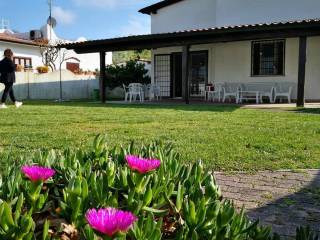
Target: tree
49	53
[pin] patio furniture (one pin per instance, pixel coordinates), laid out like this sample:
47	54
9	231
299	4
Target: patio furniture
283	90
207	89
256	91
126	92
216	93
136	90
249	95
231	90
267	90
154	92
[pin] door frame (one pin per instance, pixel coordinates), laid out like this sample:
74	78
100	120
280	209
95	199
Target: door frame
173	84
206	52
171	66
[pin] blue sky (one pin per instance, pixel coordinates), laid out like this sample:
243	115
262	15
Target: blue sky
92	19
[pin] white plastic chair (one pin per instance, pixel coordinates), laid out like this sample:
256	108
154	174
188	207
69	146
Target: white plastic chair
231	90
216	94
283	90
136	90
154	92
267	90
126	92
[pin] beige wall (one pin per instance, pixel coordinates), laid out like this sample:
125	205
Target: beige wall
231	62
47	86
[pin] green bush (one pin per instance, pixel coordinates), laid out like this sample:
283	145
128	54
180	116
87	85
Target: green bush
131	72
175	201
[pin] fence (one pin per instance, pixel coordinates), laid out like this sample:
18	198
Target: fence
36	86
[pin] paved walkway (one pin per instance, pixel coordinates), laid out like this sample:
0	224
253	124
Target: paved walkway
280	106
282	199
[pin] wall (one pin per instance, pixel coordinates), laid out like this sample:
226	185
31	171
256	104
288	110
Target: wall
89	61
236	12
196	14
47	86
231	62
188	14
21	50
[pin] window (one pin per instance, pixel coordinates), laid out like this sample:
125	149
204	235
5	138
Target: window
268	58
73	67
23	61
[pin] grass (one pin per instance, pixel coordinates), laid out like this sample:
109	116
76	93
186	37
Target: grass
224	137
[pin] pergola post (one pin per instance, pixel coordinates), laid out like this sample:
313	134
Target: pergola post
302	70
102	79
185	73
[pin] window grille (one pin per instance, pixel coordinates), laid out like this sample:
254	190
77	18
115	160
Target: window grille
268	58
162	74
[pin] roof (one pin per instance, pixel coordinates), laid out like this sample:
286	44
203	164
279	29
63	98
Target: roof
306	27
11	38
155	7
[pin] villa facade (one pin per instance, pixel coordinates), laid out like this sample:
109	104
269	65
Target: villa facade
196	43
252	61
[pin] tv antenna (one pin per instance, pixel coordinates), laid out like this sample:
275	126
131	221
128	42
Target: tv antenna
4	24
52	22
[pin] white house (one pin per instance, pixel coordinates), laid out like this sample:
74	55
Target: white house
197	42
27	51
235	61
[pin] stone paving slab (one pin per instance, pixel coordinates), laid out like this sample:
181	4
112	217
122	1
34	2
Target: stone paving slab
282	199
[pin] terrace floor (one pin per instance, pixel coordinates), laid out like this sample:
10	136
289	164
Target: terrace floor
201	101
283	199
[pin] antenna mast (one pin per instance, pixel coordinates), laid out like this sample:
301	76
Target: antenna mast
50	18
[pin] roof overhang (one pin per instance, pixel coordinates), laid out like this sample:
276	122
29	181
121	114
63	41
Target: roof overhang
200	36
152	9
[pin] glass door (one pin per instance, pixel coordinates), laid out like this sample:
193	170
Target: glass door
198	73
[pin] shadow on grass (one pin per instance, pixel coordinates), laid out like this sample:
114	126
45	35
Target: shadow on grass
307	110
193	106
301	208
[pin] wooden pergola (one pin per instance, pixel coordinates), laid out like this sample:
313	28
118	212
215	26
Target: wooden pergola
296	29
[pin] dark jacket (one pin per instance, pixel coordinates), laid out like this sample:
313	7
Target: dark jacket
7	71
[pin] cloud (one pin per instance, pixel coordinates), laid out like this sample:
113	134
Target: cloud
136	26
107	3
63	16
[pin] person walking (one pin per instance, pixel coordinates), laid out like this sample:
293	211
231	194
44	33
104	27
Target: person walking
8	78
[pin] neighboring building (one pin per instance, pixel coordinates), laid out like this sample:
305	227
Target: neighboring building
27	51
196	42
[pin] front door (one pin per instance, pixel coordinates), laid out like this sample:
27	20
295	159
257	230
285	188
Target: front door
176	75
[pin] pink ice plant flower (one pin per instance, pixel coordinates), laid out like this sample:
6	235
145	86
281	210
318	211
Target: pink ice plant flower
142	165
110	221
37	173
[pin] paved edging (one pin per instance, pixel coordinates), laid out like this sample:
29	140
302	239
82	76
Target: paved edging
284	199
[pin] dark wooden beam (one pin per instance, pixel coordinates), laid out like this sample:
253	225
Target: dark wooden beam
190	38
302	70
185	73
103	77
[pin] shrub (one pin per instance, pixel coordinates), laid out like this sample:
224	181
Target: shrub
19	68
162	198
43	69
131	72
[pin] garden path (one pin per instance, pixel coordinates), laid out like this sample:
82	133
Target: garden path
282	199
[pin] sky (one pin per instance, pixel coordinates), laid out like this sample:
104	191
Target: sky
92	19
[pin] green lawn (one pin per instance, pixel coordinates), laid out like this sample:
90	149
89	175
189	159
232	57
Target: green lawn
225	138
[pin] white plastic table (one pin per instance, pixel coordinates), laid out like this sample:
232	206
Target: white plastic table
249	95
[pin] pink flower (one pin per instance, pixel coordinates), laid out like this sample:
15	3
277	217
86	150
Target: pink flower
110	221
142	165
36	173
